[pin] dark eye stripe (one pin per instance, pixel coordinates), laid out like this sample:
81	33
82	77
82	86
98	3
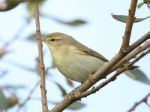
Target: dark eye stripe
54	39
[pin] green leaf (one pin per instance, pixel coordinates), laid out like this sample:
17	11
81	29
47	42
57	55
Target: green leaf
32	37
63	91
146	1
75	22
31	4
11	101
9	4
76	105
3	100
6	103
123	18
140	4
12	87
138	75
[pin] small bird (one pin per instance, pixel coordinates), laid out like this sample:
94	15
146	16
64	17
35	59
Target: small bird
73	59
78	62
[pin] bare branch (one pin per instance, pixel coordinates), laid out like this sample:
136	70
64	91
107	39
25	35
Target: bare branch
129	24
41	63
112	78
132	54
103	72
28	97
143	100
74	95
140	41
17	34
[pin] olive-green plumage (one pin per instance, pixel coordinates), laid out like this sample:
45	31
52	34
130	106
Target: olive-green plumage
73	59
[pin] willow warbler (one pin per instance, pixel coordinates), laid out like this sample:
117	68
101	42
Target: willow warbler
73	59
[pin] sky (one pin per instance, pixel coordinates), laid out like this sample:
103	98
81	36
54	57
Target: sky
102	33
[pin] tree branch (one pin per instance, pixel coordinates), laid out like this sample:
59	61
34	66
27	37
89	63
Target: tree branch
140	41
129	24
41	63
132	54
112	78
101	73
143	100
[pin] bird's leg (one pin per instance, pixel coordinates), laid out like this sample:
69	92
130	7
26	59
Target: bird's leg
90	78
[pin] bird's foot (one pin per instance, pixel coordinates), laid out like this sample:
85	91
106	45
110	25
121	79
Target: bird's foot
90	78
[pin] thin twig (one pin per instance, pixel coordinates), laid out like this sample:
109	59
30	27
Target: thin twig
29	96
143	100
4	72
129	24
140	41
41	63
17	34
132	54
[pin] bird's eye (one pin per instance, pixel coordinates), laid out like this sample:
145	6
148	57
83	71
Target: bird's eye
52	39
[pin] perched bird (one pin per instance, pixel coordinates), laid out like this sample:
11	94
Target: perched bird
73	59
77	62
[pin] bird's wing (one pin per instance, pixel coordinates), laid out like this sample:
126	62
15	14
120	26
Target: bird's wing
88	51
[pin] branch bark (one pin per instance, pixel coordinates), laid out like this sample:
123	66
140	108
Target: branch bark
129	24
112	78
132	54
143	100
101	73
41	63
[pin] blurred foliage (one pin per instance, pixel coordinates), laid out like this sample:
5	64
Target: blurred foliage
6	103
30	6
61	88
76	22
138	75
9	4
74	106
145	2
3	51
123	18
13	99
32	37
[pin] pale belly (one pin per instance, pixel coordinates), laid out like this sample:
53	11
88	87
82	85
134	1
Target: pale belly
78	67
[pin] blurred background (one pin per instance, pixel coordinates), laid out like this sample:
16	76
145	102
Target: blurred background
91	23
